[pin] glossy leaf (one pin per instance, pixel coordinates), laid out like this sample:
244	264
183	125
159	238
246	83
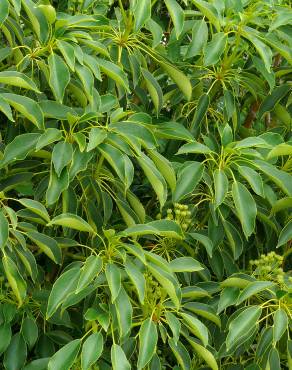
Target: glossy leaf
147	342
65	357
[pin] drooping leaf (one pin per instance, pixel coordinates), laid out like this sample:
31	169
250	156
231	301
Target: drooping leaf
59	76
65	357
18	79
188	179
91	350
26	106
177	15
15	280
245	207
72	221
147	342
242	324
119	359
62	287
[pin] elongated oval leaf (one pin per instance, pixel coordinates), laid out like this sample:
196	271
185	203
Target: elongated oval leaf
245	207
119	359
26	106
91	350
59	76
72	221
188	179
63	286
242	324
65	357
147	342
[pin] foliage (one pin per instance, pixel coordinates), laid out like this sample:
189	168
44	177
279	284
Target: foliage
145	184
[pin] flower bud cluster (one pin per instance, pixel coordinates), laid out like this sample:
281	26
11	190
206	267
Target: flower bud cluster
180	214
269	267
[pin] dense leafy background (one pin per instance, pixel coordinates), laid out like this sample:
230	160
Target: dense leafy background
145	184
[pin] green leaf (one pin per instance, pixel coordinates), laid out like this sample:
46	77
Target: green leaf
96	136
15	280
253	178
142	13
185	264
245	206
241	325
124	312
26	106
4	11
91	350
273	99
155	178
264	51
47	244
38	20
281	149
113	276
165	168
167	228
89	271
63	286
61	156
274	359
209	11
199	38
168	281
181	354
114	72
173	130
194	147
65	357
281	204
177	15
203	239
280	324
179	78
5	336
59	76
147	342
201	111
5	108
206	355
214	49
119	359
29	331
4	230
68	53
18	79
36	207
221	186
86	77
16	346
188	179
285	235
154	89
56	186
119	161
19	148
203	310
228	297
174	324
280	178
137	279
253	288
196	327
40	364
72	221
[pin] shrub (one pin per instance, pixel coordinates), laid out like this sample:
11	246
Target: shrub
145	184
